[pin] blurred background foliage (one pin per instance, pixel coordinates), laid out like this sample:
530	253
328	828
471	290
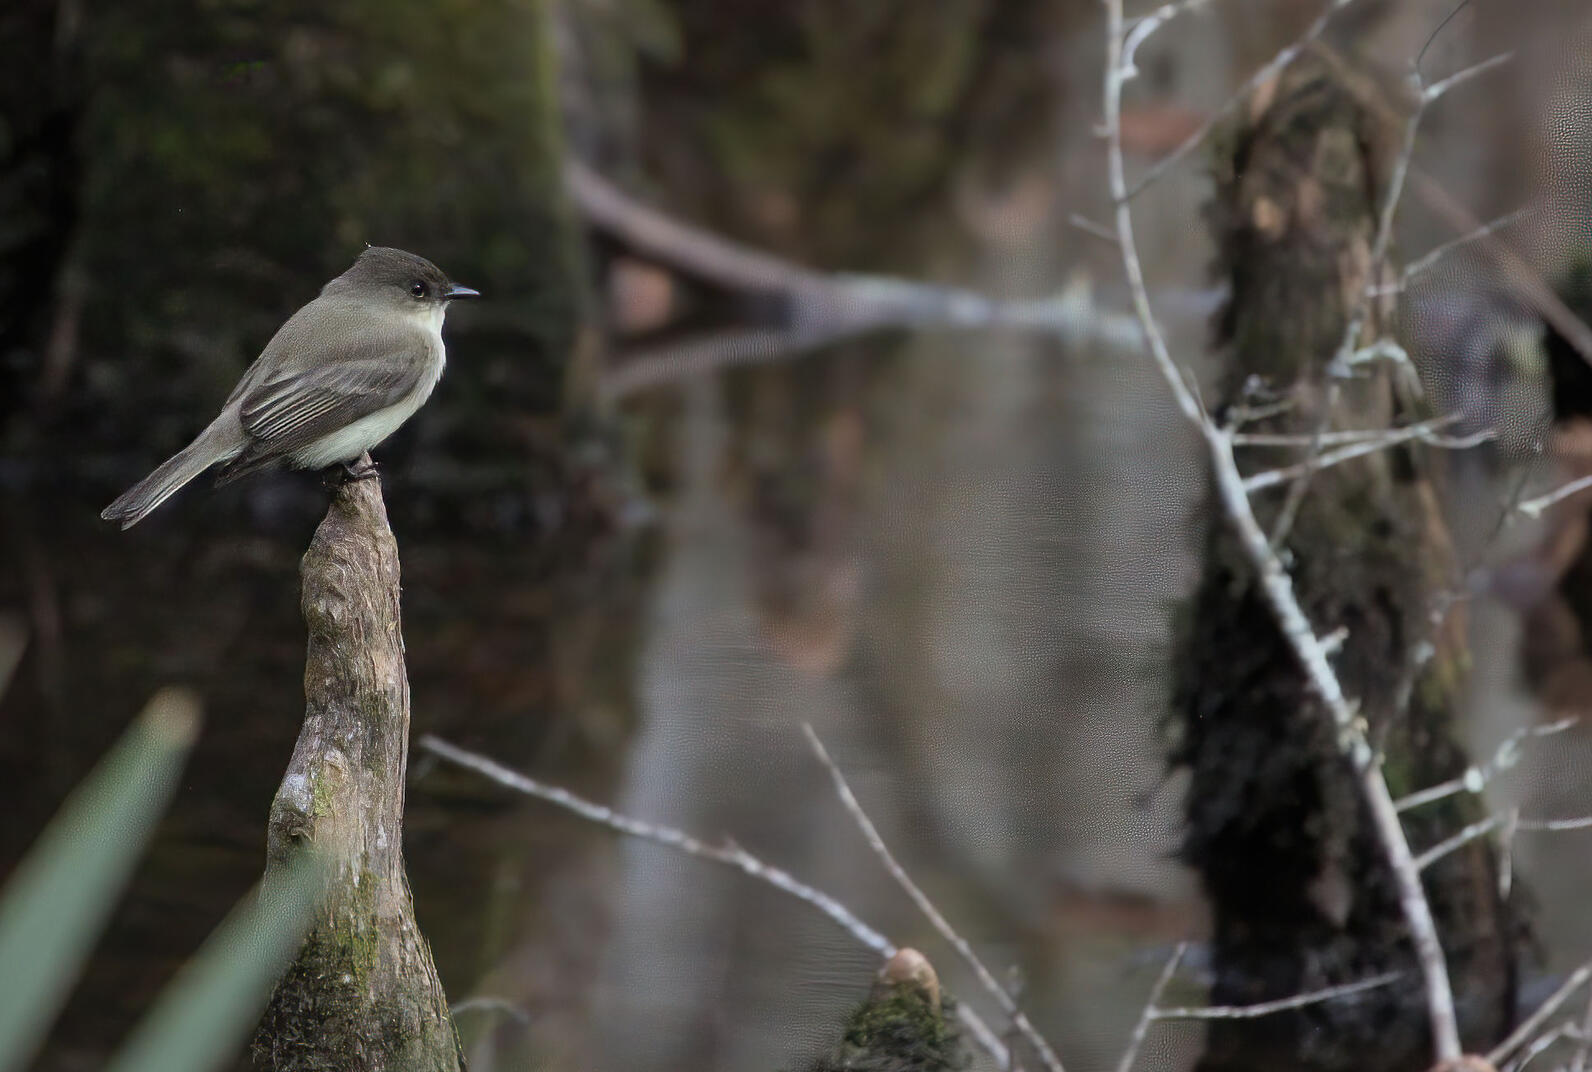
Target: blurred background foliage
55	904
955	555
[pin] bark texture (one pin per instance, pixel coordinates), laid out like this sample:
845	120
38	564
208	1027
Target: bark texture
363	994
1300	891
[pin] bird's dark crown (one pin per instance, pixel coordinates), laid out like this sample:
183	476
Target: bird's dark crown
397	275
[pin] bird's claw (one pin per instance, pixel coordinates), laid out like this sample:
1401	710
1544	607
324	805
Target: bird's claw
362	469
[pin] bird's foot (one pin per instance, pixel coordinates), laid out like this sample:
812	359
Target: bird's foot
361	469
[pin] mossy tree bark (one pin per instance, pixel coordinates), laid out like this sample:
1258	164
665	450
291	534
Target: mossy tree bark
1300	890
363	994
904	1025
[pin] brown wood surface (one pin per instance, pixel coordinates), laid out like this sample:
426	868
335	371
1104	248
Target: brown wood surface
363	994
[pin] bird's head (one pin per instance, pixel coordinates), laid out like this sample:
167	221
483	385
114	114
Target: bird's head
402	279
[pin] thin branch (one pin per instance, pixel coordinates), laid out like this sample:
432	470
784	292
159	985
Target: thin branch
1141	28
1154	1012
986	978
1557	826
1459	78
1476	777
1525	282
1272	68
1510	821
1534	507
1284	439
1544	1044
1480	234
712	352
1268	1008
1506	854
1578	1062
1530	1025
729	854
823	307
1295	439
1147	1017
692	249
1348	353
486	1003
1274	580
1299	487
1391	438
1479	829
1090	227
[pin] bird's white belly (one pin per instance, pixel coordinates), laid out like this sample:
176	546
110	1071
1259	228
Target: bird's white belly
349	442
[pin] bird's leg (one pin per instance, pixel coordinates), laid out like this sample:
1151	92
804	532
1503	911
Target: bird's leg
361	468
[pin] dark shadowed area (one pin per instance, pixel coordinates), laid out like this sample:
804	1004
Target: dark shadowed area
672	501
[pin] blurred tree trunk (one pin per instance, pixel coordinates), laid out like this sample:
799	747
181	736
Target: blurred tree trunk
41	104
363	995
1300	892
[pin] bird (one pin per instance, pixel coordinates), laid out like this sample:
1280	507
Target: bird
341	375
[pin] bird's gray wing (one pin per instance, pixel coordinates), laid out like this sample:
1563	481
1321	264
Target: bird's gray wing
291	411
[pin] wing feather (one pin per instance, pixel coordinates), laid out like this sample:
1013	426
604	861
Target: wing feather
291	411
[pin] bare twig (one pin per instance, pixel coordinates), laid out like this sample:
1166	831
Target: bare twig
1459	78
1349	352
986	978
1511	822
1531	1024
1578	1062
1090	227
692	249
1557	826
1506	853
1299	486
1475	778
1140	29
1285	439
1147	1017
1154	1012
1523	279
1269	1008
1391	438
731	348
1295	439
823	307
728	854
1534	507
1479	234
487	1003
1275	582
1542	1045
1270	70
1480	828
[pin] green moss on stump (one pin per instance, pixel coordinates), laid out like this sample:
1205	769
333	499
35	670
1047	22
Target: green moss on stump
897	1030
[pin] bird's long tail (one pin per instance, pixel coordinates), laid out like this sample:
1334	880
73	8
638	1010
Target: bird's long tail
135	504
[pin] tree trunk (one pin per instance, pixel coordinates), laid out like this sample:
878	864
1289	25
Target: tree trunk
1300	891
363	994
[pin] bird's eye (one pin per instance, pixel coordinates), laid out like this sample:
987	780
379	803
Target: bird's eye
418	289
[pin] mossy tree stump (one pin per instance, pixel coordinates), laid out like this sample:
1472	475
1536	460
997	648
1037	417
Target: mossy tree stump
363	995
1301	893
903	1026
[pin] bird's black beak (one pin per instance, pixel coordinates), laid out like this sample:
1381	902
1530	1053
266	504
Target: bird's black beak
456	291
